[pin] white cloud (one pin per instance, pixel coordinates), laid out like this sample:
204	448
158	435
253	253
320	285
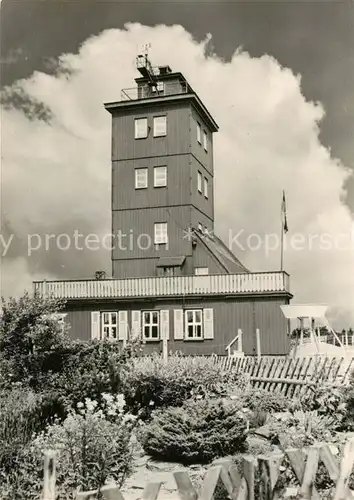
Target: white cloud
56	177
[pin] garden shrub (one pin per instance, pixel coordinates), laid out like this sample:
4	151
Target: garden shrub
20	418
31	343
264	401
149	382
197	432
93	446
327	400
301	429
95	368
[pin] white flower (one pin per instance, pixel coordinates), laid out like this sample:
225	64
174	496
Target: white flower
80	405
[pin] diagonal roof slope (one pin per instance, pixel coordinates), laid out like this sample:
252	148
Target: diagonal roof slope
221	253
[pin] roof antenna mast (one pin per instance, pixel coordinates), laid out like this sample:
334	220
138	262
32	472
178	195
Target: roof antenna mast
144	66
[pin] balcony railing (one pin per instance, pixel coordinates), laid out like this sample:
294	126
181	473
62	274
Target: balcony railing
148	92
172	286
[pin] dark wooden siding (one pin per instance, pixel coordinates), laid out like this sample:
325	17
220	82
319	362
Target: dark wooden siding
271	321
230	314
177	191
205	205
197	150
139	222
177	140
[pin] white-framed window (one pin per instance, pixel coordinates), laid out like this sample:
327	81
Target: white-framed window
109	325
199	133
160	126
141	178
160	176
200	182
160	233
201	271
141	128
193	324
205	140
151	326
206	187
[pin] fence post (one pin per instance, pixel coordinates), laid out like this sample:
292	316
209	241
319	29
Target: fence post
258	344
49	476
240	346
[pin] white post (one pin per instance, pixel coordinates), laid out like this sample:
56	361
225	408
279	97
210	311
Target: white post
164	349
49	476
240	347
258	344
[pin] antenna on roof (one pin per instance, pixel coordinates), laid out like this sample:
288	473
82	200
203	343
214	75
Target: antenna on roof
144	66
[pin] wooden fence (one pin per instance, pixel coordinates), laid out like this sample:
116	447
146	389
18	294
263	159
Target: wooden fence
288	376
258	479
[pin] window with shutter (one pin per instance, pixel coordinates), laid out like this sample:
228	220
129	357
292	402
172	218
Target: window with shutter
136	324
95	325
123	325
200	181
109	325
151	325
193	322
178	333
208	317
165	324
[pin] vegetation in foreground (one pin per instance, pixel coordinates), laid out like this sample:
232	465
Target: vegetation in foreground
90	401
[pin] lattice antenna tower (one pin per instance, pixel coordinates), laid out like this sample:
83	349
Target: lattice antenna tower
145	67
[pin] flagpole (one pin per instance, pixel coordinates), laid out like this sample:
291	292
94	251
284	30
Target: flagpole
282	243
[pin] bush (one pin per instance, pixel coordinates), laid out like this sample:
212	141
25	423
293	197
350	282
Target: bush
327	400
93	446
20	418
94	369
301	429
31	344
264	401
198	432
149	382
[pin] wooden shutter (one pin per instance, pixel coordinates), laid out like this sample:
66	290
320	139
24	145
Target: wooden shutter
208	318
178	324
165	324
95	325
136	324
123	325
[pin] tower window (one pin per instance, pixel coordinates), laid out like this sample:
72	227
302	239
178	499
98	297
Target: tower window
205	140
200	182
141	178
205	187
199	133
160	233
141	128
160	176
160	126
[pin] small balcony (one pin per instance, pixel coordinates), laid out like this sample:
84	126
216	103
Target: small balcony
163	89
172	286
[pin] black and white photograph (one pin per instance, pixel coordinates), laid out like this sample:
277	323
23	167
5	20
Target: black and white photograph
177	250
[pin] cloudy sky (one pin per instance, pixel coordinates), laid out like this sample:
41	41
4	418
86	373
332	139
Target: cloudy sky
277	77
